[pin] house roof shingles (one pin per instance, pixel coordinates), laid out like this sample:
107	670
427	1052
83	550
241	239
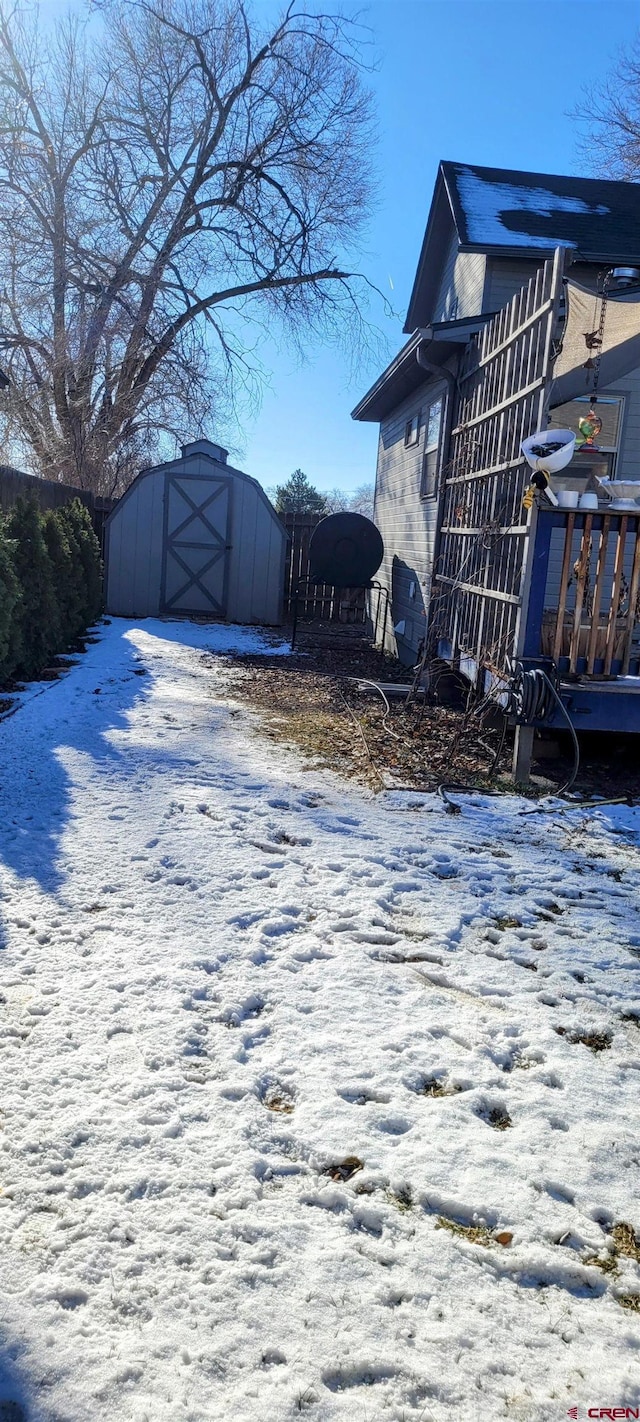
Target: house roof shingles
506	209
505	212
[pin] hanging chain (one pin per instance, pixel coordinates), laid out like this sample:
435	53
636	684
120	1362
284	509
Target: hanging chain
595	339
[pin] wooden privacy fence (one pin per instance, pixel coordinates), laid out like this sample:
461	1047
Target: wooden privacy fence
317	601
483	555
15	484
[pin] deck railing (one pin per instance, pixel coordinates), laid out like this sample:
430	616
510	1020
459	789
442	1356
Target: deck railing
586	621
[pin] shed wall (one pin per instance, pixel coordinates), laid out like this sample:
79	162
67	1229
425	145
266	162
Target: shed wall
134	549
256	575
136	537
504	277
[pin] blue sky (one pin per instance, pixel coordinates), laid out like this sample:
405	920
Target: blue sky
481	81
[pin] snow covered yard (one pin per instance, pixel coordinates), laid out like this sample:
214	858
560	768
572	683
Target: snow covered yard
295	1115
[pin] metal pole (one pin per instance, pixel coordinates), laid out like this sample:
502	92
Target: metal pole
295	614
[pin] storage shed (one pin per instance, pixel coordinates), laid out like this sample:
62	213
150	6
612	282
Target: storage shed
195	537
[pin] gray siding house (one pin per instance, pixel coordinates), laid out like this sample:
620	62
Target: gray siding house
488	232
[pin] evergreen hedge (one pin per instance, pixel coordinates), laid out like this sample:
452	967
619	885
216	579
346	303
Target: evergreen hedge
50	584
10	596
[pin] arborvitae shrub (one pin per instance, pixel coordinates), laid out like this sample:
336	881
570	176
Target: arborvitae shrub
50	584
9	608
68	578
37	610
77	592
79	528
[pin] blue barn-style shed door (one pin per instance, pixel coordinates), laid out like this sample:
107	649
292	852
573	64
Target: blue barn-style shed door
195	563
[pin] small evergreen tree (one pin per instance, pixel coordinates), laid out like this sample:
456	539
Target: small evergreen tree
68	577
77	587
37	610
9	608
299	496
81	536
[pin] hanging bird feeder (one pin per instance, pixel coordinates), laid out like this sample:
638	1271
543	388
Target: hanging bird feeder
546	453
589	427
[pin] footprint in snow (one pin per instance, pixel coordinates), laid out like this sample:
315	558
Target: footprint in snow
362	1095
194	1042
277	1097
494	1114
394	1125
251	1040
251	1007
360	1375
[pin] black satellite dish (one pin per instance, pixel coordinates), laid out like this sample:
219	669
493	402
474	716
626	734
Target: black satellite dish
346	549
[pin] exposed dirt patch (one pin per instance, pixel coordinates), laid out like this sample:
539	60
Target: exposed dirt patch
436	1086
626	1241
595	1041
344	1169
312	700
402	1198
476	1234
622	1243
497	1117
275	1098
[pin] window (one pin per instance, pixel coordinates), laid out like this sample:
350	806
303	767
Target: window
412	430
431	457
602	460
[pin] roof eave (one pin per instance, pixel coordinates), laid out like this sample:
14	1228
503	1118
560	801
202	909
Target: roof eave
516	250
441	208
404	375
405	357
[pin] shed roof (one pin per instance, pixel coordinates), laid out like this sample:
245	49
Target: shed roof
197	449
508	212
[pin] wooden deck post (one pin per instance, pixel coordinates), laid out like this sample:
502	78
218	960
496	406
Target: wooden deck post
522	754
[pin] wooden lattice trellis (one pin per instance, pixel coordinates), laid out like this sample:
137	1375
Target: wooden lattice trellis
483	554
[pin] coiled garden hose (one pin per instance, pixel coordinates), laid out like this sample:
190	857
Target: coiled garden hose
532	700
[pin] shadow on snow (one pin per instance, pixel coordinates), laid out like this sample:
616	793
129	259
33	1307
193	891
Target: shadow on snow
38	744
36	789
14	1401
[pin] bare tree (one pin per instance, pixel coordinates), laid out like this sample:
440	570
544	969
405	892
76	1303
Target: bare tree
610	114
172	177
358	500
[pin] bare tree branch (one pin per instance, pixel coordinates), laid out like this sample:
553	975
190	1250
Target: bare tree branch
610	117
170	175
